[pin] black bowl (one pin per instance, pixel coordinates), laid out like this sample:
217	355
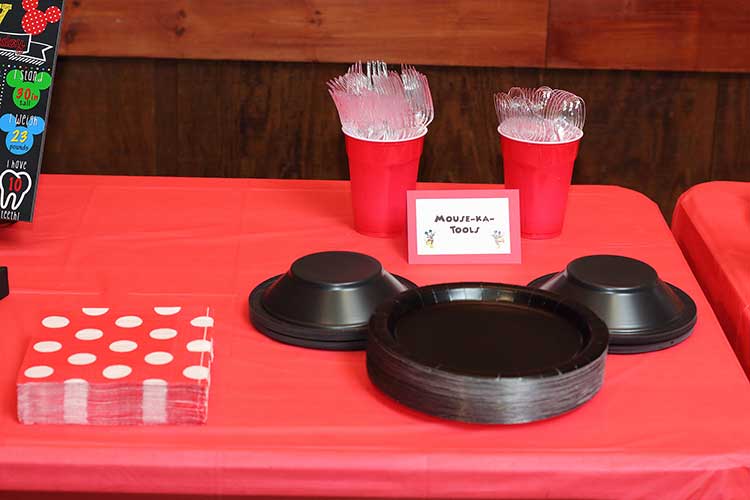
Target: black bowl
643	312
324	301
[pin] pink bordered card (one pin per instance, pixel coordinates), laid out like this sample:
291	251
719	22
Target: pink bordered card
477	226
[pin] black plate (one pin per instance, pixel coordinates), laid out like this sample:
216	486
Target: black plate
643	312
483	352
324	299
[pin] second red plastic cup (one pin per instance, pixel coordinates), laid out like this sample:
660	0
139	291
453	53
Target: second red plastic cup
541	172
381	172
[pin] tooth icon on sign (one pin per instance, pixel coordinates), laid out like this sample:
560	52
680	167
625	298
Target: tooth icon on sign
13	188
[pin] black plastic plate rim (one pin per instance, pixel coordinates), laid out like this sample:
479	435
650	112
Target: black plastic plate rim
381	327
478	399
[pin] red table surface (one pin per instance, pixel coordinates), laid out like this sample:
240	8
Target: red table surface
288	421
711	223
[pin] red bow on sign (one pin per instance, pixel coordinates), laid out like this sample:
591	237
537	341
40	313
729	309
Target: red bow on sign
35	21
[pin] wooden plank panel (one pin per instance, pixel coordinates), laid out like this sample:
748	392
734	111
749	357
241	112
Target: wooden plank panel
652	132
731	154
462	144
699	35
203	120
102	118
445	32
164	83
258	120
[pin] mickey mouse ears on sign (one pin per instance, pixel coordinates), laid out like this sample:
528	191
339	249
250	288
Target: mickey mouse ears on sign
35	124
42	81
20	132
35	21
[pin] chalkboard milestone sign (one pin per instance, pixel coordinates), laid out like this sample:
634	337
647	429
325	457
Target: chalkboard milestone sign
29	35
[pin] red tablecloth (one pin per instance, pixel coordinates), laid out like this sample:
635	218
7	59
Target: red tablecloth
289	421
711	223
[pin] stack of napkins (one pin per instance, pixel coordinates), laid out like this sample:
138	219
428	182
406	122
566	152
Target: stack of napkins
104	366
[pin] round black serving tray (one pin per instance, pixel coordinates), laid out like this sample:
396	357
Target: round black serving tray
324	301
486	353
643	312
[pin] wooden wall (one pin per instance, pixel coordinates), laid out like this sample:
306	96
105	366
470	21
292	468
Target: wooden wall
657	132
685	35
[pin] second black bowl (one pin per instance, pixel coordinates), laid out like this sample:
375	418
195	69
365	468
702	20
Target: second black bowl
643	312
324	300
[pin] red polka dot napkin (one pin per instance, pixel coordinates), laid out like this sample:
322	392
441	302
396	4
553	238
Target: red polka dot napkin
115	366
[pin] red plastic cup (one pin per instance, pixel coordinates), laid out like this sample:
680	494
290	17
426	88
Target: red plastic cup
381	172
541	171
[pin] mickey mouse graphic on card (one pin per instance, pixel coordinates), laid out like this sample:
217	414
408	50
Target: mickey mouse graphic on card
26	94
21	131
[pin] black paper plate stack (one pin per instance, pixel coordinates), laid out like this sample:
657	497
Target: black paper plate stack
486	353
324	301
643	312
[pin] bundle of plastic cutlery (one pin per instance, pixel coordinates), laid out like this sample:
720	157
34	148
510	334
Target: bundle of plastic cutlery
540	115
379	104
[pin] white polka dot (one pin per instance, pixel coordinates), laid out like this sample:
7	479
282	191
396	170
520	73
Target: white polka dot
116	371
202	321
89	334
95	311
55	322
81	358
196	372
40	371
129	322
199	345
167	311
47	346
158	358
155	382
123	346
163	333
75	381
